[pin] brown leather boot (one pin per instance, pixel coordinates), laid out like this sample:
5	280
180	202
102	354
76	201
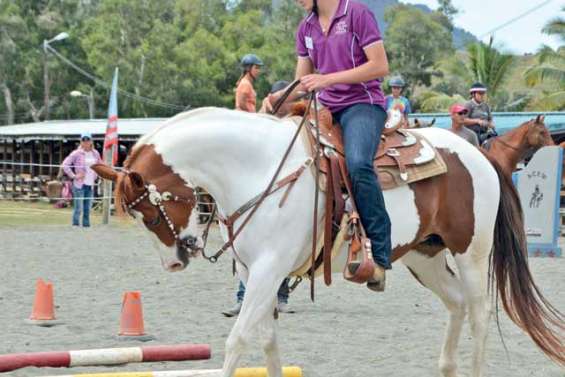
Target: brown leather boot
377	282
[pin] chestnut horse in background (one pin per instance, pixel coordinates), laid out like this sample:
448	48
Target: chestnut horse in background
519	143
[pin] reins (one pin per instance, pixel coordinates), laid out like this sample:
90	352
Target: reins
250	207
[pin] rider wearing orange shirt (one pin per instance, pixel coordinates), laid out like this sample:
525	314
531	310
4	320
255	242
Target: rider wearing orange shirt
245	96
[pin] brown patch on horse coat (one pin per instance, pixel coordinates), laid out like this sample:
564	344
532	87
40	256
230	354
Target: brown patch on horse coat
445	207
149	164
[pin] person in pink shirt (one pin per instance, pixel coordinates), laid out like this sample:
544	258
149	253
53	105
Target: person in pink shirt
77	167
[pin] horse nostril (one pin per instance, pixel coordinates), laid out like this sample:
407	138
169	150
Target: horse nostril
176	266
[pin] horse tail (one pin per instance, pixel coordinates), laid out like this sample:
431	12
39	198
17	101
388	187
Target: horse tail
520	296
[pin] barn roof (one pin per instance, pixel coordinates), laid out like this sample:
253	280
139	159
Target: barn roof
129	129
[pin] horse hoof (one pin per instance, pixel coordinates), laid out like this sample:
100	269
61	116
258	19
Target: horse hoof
376	286
377	282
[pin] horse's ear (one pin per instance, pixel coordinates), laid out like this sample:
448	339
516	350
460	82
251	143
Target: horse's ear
540	118
137	181
433	122
105	172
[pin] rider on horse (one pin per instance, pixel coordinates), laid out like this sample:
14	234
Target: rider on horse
479	119
396	100
341	56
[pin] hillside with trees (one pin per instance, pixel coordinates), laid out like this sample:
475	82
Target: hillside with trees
177	54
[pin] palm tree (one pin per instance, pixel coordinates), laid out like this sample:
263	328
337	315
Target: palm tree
432	101
488	66
550	69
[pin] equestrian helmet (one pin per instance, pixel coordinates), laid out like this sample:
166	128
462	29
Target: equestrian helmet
251	59
279	85
396	82
478	88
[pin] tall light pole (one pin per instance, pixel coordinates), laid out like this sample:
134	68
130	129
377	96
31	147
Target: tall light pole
58	37
89	99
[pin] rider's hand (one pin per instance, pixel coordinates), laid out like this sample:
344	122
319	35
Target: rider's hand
315	81
266	106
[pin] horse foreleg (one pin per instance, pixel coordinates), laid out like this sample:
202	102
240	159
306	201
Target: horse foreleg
256	314
433	273
269	341
473	269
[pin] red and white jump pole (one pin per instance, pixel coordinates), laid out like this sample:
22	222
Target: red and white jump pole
105	356
240	372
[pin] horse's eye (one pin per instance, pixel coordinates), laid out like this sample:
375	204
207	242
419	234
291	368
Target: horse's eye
153	223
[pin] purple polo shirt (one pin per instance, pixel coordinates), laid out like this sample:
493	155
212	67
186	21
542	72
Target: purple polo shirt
352	28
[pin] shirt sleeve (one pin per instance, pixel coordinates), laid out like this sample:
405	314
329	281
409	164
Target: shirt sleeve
301	49
469	106
475	139
407	106
98	157
68	164
366	28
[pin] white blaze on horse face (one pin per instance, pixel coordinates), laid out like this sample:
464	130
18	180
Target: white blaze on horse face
167	254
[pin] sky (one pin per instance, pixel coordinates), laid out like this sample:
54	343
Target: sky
522	36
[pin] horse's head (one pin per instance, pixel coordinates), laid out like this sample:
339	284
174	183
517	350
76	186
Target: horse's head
537	134
162	201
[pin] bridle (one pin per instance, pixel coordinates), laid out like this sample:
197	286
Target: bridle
157	199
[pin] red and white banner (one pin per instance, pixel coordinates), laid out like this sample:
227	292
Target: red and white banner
111	138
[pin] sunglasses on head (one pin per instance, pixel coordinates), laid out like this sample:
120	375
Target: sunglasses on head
85	139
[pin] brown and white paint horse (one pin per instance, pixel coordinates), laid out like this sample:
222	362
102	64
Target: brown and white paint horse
519	143
472	210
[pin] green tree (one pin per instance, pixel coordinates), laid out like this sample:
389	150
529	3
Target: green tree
447	8
11	25
414	42
432	101
488	66
550	69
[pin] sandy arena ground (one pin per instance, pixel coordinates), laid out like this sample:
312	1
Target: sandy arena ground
348	331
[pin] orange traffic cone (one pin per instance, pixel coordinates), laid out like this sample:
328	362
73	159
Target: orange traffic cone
131	321
43	312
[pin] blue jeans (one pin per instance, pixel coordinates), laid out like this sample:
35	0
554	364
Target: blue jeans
82	201
362	125
282	294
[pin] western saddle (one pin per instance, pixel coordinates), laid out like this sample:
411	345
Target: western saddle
402	157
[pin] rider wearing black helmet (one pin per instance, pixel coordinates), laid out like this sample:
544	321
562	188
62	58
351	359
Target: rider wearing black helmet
245	96
479	119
